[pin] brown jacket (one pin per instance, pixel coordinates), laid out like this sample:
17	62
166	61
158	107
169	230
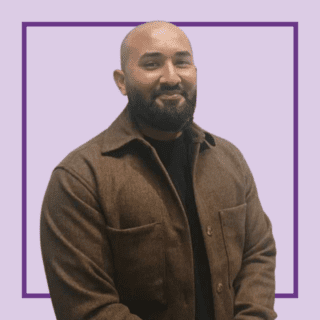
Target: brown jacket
116	242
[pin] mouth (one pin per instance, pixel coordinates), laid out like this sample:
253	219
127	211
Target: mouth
170	96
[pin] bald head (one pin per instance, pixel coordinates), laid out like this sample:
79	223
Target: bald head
159	77
139	36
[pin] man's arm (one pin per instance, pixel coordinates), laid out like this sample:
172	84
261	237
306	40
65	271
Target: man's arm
76	252
255	283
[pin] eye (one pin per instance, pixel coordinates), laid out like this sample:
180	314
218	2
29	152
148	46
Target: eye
182	63
151	65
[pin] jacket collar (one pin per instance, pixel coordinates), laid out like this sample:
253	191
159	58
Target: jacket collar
123	130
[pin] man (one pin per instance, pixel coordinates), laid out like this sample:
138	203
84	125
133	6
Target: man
155	218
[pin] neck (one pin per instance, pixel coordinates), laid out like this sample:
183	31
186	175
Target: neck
158	134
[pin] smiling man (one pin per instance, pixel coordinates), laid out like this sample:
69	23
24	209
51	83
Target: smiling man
159	77
156	218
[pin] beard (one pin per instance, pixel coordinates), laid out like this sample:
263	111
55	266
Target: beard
168	116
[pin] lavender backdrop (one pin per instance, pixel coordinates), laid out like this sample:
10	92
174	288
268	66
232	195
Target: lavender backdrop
242	73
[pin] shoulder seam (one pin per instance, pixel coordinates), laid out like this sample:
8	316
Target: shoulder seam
75	175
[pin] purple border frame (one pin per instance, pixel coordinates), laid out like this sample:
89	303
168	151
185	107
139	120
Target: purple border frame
179	24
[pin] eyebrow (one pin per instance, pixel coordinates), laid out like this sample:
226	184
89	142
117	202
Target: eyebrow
159	54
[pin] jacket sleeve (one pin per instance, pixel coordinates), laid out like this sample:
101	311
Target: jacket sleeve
255	283
76	253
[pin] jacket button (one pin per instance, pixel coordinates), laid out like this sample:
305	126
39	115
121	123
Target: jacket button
209	231
219	287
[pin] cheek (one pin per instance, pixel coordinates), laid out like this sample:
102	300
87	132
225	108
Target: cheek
145	85
190	84
143	79
189	78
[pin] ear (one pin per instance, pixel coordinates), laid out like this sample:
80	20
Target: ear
120	81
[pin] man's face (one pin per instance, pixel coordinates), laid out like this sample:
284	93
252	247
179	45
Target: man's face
161	80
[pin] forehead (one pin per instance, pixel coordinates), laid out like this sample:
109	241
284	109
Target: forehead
166	40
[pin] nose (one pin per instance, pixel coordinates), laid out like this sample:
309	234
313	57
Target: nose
170	76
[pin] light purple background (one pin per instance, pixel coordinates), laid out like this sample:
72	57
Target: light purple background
10	99
245	82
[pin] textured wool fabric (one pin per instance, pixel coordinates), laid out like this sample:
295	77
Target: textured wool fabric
115	238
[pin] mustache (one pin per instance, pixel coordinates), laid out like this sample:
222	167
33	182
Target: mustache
172	90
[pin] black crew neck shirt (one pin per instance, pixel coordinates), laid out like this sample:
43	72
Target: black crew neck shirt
176	156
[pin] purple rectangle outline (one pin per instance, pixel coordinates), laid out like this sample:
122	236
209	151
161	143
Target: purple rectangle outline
179	24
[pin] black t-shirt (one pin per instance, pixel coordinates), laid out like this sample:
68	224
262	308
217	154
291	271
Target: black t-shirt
176	157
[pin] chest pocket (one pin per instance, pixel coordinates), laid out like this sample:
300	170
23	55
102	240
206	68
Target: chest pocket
139	262
233	228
